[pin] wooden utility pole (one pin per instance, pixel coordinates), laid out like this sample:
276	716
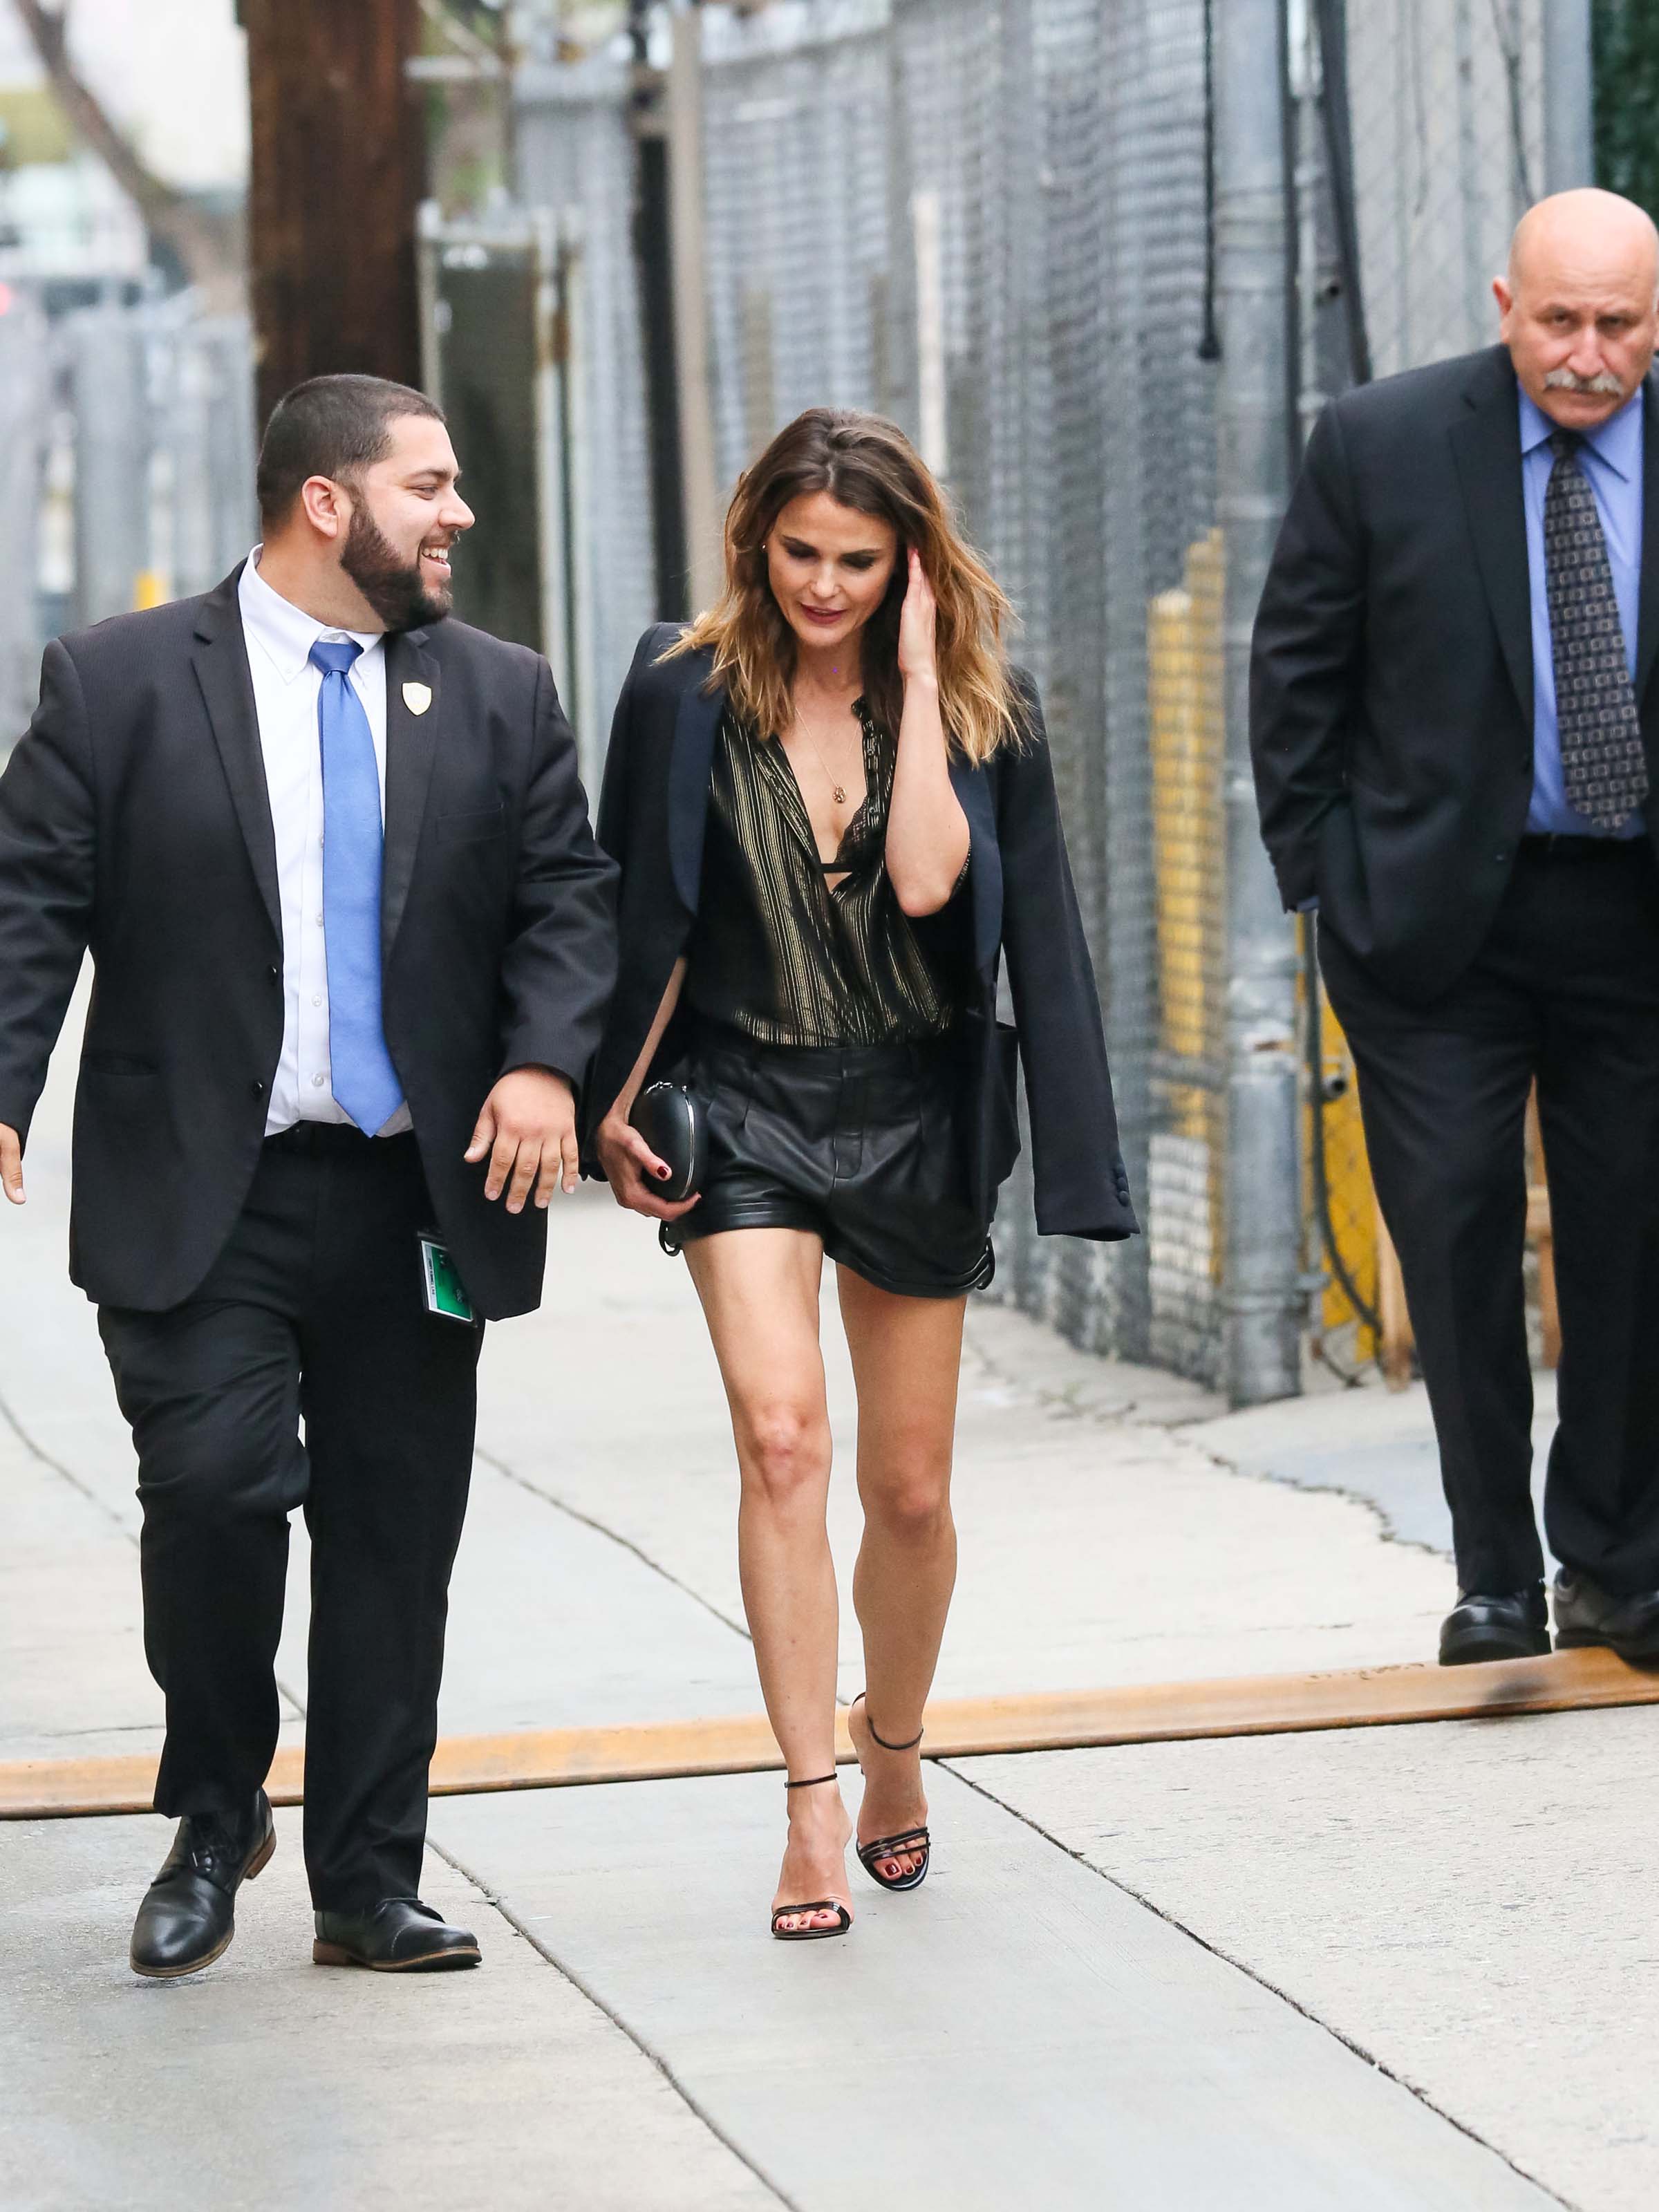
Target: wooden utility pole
337	173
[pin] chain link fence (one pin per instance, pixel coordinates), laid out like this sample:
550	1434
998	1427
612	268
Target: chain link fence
995	222
1446	116
128	444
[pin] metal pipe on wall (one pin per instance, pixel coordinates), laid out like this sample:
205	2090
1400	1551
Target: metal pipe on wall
1569	136
1262	1297
704	513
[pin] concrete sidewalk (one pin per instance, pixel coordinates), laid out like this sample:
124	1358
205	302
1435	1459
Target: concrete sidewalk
1400	1968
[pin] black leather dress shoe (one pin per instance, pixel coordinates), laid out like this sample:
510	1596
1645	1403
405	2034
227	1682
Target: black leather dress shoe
1586	1613
1513	1625
189	1913
398	1936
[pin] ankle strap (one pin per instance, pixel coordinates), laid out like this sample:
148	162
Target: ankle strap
882	1740
813	1783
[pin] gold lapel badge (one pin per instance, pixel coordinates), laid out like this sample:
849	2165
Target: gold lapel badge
417	697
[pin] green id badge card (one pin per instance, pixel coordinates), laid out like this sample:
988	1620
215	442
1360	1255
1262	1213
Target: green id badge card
446	1293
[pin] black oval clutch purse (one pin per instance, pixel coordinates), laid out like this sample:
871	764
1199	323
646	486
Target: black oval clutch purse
673	1122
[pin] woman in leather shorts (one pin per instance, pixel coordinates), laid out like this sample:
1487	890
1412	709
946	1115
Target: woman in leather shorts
832	803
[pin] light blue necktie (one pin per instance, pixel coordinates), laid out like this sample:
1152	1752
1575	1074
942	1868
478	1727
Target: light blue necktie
364	1081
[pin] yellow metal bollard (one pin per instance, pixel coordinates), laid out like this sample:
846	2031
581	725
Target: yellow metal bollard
1355	1220
1187	731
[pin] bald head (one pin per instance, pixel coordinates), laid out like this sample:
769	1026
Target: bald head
1584	231
1580	304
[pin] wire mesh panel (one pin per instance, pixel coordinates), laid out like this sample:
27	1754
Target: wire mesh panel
1446	102
576	157
993	220
1165	894
1447	99
795	120
161	402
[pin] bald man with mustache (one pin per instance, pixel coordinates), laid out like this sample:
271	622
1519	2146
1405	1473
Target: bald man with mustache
1455	734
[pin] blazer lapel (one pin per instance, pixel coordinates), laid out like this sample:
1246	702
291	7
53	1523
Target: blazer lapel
973	789
411	745
226	685
1647	618
1486	447
695	724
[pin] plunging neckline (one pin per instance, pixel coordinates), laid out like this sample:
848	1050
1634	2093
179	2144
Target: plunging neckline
843	863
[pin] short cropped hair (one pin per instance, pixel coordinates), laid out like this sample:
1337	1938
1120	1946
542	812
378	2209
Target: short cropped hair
331	426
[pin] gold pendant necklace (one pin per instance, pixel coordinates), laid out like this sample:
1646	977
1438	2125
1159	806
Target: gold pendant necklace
838	790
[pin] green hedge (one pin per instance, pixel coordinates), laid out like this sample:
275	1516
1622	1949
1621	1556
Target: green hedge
1627	33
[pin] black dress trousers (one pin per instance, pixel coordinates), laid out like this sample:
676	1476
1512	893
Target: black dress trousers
314	1312
1565	989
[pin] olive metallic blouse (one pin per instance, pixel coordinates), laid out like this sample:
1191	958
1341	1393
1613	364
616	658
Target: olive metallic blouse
775	953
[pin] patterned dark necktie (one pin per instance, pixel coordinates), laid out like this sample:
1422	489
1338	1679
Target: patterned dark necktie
1603	768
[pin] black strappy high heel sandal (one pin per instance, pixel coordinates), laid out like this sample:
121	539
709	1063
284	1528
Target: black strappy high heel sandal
819	1903
913	1843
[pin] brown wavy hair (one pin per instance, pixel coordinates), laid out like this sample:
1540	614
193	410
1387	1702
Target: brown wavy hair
868	465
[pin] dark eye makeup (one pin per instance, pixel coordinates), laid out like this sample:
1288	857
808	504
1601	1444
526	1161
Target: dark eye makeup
797	551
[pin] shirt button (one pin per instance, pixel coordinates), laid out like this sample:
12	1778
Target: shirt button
318	1081
319	921
317	1001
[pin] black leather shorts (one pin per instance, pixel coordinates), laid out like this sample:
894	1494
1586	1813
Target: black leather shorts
856	1144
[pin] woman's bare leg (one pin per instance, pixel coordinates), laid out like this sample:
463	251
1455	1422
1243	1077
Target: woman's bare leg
906	1358
759	1289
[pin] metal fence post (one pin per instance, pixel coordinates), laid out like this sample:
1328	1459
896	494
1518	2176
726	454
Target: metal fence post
704	511
1261	1300
23	403
1568	140
107	346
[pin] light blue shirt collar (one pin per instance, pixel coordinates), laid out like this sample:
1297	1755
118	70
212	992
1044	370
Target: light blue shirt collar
1618	441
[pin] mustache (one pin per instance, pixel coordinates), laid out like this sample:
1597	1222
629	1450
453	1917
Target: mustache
1567	379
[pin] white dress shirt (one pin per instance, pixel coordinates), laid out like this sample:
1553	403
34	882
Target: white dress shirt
280	636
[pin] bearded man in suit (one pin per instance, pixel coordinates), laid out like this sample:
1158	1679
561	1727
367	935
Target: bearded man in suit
353	939
1456	740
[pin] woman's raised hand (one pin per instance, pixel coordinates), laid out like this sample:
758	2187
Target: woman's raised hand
917	619
633	1171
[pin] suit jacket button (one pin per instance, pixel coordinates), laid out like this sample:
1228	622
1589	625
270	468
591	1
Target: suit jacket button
256	1088
274	974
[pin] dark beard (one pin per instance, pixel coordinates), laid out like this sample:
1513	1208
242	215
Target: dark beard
391	586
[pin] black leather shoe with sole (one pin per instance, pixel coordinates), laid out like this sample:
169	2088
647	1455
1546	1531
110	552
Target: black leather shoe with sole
398	1936
189	1913
1514	1624
1586	1613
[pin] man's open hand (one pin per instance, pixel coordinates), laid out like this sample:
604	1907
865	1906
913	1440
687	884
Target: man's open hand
527	1125
11	1164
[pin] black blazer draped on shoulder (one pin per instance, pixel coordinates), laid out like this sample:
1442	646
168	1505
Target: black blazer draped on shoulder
1019	900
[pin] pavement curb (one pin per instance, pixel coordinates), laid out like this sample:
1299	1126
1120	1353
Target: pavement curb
961	1728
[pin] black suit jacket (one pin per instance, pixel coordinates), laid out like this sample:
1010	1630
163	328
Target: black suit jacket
1391	694
134	819
1018	898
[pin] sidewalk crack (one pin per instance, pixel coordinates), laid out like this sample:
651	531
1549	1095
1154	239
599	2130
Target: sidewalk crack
58	1467
599	1528
1240	1965
499	1904
86	1489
